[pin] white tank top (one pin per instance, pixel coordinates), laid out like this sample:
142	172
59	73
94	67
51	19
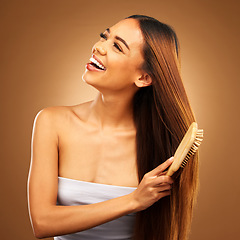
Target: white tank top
74	192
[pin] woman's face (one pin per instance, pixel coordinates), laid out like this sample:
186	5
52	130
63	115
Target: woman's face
122	61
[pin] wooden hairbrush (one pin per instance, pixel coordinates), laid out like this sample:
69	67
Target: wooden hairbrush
188	147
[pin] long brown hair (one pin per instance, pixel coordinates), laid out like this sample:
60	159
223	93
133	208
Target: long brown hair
162	115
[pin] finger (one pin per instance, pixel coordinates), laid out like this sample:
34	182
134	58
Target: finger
164	187
156	171
161	180
165	193
162	173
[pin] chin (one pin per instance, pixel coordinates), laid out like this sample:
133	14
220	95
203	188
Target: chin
86	78
88	81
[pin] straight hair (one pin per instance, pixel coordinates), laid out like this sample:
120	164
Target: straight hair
162	115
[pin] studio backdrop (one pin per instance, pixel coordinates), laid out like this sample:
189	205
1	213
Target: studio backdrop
45	45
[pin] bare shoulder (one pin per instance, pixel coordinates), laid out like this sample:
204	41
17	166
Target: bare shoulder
53	112
59	116
50	116
61	112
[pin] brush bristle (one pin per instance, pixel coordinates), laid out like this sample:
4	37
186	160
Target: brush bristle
194	148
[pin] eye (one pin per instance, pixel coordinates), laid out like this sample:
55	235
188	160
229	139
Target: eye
116	46
102	35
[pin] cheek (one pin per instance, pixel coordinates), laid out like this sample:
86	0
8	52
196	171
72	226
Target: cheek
121	78
124	71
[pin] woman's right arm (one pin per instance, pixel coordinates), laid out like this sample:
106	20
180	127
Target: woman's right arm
47	218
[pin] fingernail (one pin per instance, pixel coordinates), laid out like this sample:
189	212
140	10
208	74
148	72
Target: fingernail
171	158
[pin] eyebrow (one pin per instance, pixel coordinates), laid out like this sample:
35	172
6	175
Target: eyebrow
120	39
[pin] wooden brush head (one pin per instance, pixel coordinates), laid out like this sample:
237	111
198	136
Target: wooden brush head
186	148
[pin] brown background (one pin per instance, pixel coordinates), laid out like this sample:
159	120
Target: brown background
45	45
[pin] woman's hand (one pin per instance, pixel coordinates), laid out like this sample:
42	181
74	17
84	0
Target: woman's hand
154	185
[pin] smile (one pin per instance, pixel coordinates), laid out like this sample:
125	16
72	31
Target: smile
96	63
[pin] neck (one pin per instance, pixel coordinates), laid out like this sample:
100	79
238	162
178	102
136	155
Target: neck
112	112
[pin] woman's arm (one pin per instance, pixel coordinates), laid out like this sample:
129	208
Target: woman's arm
47	218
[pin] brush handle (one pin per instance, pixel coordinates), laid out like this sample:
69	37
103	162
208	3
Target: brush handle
170	171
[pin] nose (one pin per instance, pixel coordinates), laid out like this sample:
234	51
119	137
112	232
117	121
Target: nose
99	48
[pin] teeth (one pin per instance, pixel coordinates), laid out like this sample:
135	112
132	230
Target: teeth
97	63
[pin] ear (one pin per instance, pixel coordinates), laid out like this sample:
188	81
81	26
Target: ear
143	81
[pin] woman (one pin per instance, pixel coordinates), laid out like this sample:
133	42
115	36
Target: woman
98	168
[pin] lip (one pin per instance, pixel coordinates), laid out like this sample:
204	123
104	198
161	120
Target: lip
95	57
92	68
